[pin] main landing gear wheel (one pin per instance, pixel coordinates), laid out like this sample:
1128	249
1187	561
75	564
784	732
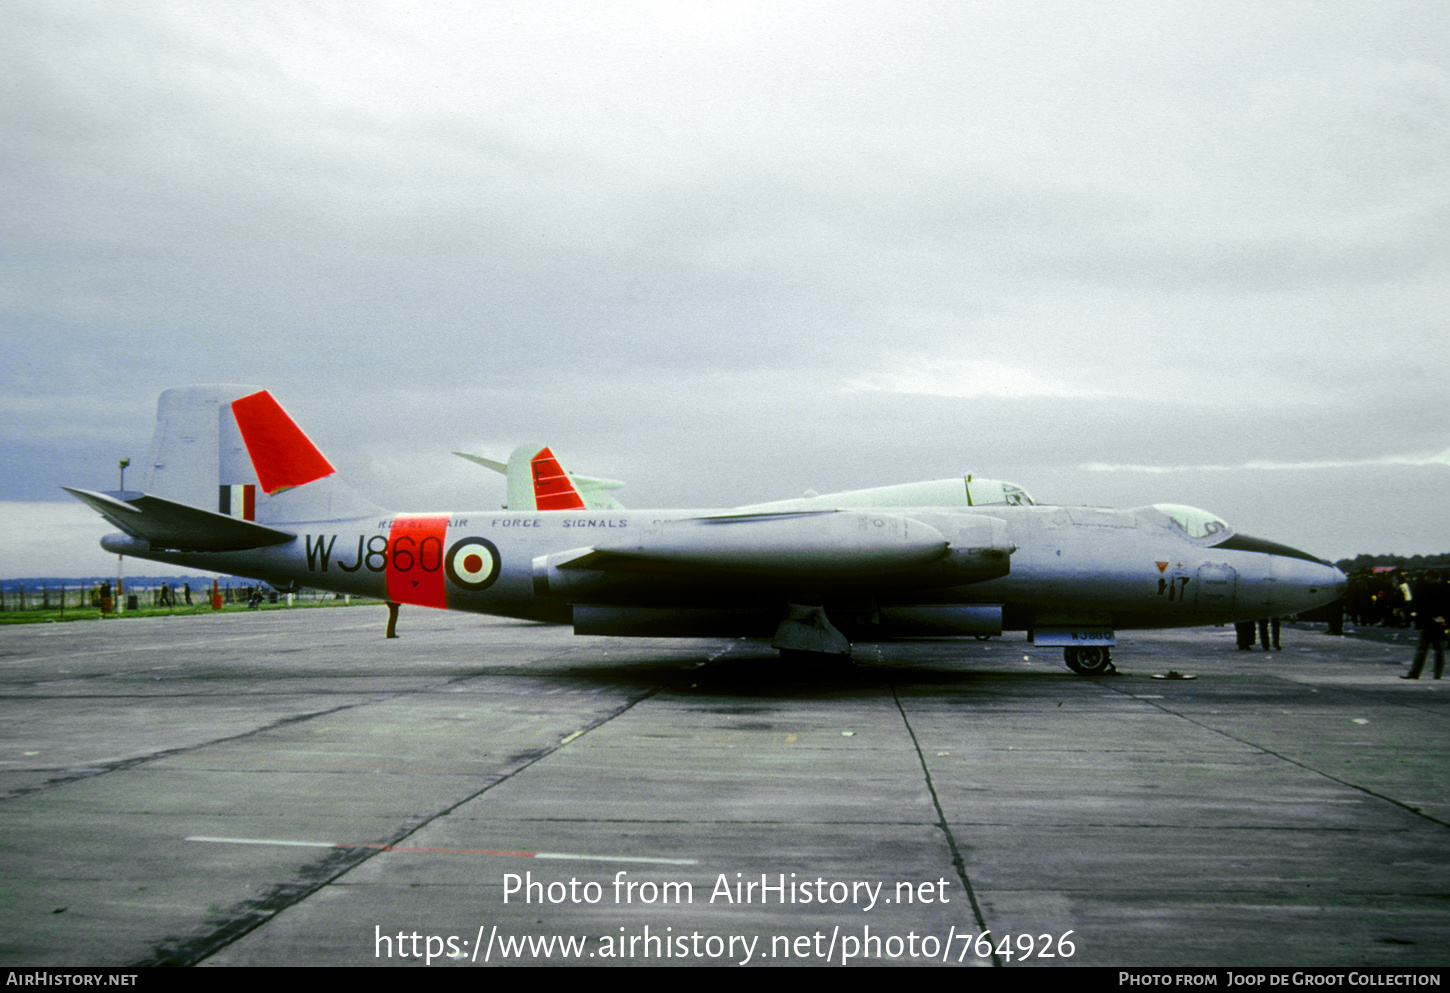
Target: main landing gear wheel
1092	661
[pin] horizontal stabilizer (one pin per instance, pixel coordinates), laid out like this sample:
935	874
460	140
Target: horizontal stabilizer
165	524
499	467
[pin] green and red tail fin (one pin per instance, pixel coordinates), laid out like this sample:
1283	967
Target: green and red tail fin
553	489
537	480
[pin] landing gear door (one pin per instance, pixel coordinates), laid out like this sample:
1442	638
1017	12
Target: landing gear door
1218	586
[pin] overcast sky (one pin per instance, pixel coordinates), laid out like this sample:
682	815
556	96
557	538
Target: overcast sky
1117	252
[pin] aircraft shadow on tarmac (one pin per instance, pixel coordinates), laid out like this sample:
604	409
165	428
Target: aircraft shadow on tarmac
764	674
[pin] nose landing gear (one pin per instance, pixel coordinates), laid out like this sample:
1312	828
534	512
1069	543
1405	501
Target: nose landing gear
1093	660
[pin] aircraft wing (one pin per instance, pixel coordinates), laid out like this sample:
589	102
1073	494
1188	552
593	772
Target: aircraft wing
835	549
167	524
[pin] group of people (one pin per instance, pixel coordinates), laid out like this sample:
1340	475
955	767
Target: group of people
1381	597
1393	598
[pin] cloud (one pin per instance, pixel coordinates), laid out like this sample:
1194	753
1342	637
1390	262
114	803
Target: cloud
1441	458
737	253
973	380
53	539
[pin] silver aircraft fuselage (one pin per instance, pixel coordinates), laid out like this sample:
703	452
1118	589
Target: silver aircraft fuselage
1064	567
232	484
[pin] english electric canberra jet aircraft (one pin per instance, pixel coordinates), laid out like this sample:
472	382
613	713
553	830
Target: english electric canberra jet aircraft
233	485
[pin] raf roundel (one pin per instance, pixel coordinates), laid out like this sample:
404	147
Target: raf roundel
472	563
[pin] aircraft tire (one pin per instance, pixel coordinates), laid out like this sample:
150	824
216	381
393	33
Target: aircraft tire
1095	661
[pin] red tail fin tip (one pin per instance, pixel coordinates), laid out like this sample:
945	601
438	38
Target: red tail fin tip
283	456
553	490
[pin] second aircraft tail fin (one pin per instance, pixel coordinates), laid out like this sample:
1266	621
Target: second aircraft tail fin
538	481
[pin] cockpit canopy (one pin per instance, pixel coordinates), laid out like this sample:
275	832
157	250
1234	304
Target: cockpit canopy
1198	524
962	491
980	491
1213	531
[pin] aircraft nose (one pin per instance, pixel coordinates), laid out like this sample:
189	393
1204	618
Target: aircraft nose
1297	581
1301	584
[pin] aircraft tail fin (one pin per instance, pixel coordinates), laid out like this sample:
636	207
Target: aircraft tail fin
234	451
538	481
548	485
